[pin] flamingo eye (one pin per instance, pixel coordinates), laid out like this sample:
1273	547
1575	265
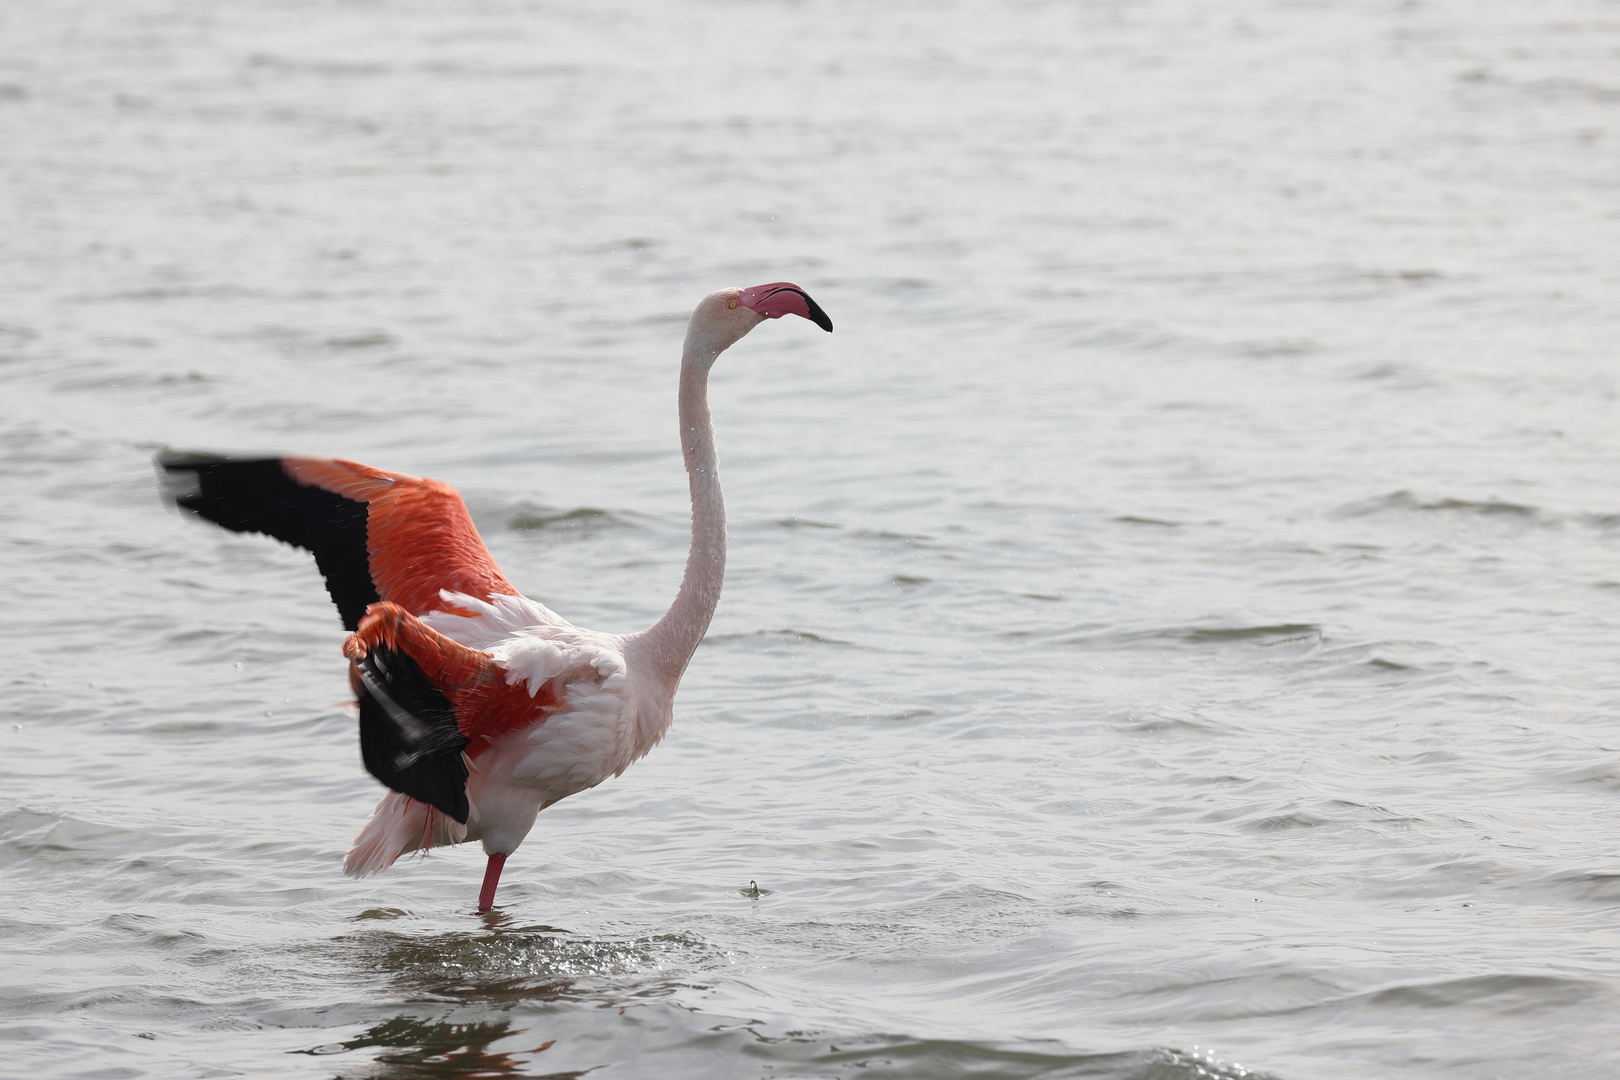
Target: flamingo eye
732	303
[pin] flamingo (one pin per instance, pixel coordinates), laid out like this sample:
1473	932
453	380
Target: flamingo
480	707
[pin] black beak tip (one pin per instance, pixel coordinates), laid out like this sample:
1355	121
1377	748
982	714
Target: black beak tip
817	316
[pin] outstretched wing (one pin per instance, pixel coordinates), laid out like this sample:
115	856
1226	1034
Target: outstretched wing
375	535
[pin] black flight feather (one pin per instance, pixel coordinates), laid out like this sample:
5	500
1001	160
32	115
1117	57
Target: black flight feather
259	496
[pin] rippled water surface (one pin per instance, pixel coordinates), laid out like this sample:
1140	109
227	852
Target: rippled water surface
1171	624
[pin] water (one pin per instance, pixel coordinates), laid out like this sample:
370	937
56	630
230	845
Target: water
1169	628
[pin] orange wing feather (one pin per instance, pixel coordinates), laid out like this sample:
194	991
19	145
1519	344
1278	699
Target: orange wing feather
485	704
419	536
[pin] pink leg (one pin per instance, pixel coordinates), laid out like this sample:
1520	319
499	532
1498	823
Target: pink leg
492	878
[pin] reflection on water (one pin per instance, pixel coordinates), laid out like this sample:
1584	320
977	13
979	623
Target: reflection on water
411	1047
473	990
408	1047
513	985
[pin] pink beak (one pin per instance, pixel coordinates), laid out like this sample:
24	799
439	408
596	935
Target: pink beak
781	298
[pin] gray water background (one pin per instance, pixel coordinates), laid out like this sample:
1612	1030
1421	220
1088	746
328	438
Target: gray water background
1171	624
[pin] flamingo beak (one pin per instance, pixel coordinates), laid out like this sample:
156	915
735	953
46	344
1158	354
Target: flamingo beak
781	298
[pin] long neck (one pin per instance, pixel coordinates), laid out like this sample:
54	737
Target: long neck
670	643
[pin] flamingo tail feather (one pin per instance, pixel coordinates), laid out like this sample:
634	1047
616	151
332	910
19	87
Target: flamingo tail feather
400	824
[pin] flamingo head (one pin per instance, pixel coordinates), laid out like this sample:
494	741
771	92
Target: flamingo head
725	316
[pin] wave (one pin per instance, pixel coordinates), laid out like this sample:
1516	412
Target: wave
580	521
783	634
1405	502
1263	635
